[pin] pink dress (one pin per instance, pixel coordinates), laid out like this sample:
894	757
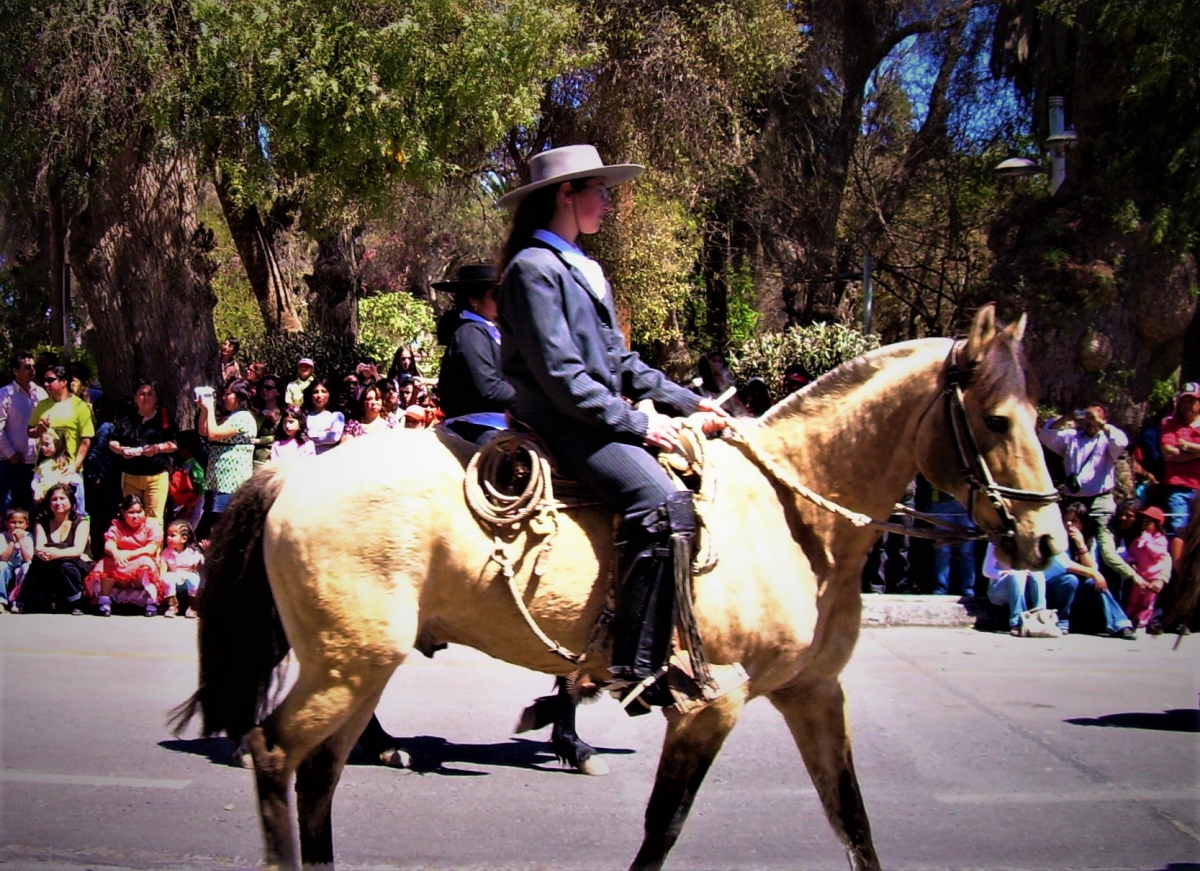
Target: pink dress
1150	558
138	581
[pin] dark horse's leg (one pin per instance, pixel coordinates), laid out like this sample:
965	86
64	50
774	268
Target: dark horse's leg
378	744
815	714
691	745
570	749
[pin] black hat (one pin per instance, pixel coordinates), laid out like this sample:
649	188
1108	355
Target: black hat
471	277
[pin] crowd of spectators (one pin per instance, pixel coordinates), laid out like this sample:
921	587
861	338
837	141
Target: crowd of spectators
109	505
1120	553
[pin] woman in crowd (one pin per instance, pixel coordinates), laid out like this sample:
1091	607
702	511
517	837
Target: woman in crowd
267	412
404	362
474	395
1074	577
60	561
392	409
325	426
144	440
368	416
572	372
230	449
129	572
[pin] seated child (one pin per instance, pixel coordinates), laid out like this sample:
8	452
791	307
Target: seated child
54	467
187	480
181	561
1150	558
16	553
129	573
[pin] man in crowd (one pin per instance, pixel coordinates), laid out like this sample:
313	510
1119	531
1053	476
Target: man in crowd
304	377
64	411
1090	451
17	450
1181	456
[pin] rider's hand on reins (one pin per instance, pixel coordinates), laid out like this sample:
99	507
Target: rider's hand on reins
663	431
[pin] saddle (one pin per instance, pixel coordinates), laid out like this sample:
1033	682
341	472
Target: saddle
513	480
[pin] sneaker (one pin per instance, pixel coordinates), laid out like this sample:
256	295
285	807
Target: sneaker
1127	633
76	612
105	609
151	610
171	611
18	608
191	614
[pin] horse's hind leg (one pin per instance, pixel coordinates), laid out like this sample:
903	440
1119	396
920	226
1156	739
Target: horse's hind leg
314	715
815	714
691	745
316	779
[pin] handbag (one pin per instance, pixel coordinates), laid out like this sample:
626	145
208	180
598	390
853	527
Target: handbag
182	488
1040	623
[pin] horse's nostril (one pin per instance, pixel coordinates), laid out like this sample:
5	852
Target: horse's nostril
1046	546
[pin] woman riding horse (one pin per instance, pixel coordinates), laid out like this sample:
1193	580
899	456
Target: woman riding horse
564	354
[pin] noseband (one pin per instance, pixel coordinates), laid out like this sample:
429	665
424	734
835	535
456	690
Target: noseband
972	465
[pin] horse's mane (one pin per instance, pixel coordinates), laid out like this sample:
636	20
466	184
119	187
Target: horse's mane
1004	371
834	385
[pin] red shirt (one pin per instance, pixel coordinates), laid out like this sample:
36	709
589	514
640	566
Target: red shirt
1181	473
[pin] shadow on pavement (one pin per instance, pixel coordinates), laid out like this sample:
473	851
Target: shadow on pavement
219	750
430	755
1179	720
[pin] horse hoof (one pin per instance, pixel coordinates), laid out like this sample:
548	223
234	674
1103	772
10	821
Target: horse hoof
595	766
395	758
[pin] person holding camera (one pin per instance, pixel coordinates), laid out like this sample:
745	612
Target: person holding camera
1090	450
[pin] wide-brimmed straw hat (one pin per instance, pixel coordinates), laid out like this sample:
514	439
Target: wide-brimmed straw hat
565	164
470	277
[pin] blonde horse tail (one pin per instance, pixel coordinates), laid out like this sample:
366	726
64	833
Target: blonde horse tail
241	638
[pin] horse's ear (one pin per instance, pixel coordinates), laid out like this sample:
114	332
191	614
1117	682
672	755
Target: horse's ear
983	331
1016	330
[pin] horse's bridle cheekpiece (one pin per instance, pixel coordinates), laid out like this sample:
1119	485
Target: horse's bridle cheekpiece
971	462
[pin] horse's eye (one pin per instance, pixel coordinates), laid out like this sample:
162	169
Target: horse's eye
996	423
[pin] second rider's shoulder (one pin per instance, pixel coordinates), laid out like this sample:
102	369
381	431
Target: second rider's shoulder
533	258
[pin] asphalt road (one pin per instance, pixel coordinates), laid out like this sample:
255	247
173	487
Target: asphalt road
975	751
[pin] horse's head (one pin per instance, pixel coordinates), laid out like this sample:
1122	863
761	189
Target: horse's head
979	442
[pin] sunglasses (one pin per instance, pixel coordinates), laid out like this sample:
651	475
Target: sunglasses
50	379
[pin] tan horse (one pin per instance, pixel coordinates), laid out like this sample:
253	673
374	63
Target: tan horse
783	599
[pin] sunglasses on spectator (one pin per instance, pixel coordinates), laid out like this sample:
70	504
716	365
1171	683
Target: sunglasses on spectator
50	379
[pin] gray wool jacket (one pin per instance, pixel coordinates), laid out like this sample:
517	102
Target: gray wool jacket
563	352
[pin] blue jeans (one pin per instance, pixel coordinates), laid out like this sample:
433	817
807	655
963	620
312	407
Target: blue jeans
8	580
1179	509
1021	591
1062	589
955	561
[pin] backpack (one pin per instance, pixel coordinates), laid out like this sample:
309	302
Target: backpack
182	487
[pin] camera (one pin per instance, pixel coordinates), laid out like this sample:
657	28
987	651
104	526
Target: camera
202	393
1072	483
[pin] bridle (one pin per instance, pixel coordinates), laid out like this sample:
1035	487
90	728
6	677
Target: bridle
972	465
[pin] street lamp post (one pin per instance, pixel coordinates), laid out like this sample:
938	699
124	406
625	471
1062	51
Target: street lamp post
1060	139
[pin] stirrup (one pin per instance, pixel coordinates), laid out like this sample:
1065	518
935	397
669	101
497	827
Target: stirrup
690	693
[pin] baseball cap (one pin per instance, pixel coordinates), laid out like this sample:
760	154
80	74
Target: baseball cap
1189	388
304	361
1154	514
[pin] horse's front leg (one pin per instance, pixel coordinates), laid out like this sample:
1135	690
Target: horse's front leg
691	744
816	715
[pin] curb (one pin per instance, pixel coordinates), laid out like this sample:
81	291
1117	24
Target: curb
887	609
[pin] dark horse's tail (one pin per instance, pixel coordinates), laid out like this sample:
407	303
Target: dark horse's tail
242	641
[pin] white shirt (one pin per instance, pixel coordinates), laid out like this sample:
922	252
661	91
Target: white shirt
592	271
16	406
1092	460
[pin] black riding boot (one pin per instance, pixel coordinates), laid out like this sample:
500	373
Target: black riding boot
646	598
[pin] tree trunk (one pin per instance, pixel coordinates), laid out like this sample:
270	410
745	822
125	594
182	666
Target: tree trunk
264	243
58	268
141	261
335	284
